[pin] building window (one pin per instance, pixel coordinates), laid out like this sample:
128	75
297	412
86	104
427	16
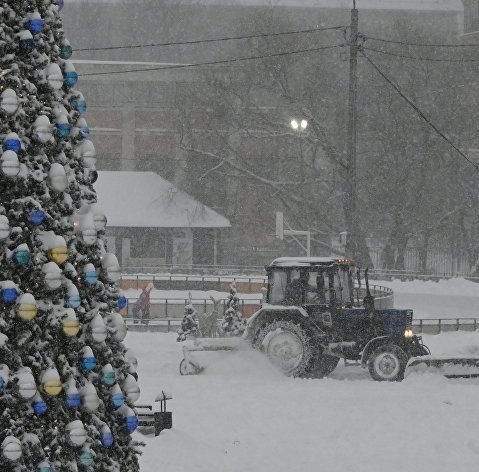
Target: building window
471	16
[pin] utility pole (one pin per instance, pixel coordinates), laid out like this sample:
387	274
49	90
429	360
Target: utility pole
350	203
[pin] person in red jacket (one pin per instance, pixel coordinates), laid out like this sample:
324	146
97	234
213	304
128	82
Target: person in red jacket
143	305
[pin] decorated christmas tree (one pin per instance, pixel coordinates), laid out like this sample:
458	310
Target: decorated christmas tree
189	323
67	383
233	321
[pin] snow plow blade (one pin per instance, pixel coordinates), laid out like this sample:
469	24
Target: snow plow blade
450	368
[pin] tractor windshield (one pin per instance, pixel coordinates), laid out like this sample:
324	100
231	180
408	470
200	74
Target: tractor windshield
315	285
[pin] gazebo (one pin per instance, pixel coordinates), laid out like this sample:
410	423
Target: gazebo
152	223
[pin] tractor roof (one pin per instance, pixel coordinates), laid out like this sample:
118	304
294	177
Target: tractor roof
305	261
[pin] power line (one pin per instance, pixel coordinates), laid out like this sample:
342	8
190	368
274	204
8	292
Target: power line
418	111
419	58
218	62
407	43
214	40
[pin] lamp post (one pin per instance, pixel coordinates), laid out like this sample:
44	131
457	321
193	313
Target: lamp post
299	126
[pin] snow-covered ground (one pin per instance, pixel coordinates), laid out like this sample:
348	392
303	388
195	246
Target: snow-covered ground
241	415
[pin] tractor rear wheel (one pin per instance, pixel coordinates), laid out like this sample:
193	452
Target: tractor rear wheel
288	345
387	363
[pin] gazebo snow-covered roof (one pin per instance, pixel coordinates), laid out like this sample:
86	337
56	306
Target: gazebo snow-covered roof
146	200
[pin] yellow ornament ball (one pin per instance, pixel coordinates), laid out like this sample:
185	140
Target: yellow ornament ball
58	254
27	311
52	387
71	327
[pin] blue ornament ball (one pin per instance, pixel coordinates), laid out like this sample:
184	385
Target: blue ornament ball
40	407
73	301
131	423
108	378
44	469
12	145
2	382
9	295
117	400
36	25
37	216
66	51
121	303
85	458
88	363
73	400
107	439
80	106
21	257
70	78
63	129
91	277
93	176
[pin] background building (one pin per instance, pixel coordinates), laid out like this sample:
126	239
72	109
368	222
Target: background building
222	133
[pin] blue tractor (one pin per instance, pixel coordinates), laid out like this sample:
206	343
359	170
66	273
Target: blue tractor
314	316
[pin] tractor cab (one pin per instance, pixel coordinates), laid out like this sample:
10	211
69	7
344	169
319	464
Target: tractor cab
322	282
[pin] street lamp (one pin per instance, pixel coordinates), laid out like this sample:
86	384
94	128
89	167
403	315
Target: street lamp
299	125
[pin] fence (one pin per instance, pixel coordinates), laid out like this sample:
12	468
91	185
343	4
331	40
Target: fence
138	277
208	270
440	325
173	308
421	326
244	284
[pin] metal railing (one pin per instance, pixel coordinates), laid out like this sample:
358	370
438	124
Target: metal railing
421	326
138	280
250	271
416	275
170	307
195	269
439	325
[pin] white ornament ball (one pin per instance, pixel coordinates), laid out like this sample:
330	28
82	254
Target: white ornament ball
54	76
11	448
57	177
9	101
77	434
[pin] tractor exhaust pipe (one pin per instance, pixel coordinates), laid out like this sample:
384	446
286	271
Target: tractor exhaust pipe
368	301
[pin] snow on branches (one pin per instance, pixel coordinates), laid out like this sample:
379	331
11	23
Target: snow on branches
189	324
233	321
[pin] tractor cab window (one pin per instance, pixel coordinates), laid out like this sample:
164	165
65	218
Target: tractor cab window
277	286
318	288
286	287
293	294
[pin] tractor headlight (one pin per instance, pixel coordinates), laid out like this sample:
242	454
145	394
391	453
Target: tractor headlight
408	333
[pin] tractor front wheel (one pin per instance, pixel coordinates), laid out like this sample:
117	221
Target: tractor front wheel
387	363
288	346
